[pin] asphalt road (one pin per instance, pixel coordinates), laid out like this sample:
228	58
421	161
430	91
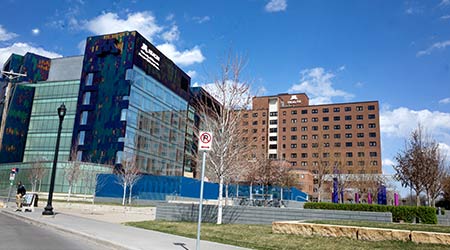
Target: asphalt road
19	235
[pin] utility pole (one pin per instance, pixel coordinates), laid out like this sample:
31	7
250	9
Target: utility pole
11	76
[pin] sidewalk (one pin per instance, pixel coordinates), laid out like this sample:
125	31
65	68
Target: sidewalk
112	234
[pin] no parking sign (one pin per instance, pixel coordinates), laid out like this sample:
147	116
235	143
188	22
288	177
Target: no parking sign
205	140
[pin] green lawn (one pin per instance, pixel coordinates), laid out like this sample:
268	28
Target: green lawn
401	226
261	237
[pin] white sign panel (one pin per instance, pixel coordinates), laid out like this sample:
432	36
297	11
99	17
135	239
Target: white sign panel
205	140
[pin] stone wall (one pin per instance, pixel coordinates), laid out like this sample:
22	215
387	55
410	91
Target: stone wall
260	215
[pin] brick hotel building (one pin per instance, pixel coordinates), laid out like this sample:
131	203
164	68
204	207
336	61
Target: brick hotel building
286	127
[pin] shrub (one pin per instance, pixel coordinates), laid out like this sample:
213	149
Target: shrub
426	215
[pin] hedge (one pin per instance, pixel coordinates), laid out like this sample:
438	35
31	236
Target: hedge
426	215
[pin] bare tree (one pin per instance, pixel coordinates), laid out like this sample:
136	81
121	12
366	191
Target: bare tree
128	175
286	177
233	98
414	161
436	172
72	174
36	173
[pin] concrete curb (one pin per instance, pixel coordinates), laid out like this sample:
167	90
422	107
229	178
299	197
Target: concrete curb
36	222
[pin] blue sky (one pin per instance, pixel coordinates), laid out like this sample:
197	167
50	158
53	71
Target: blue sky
396	52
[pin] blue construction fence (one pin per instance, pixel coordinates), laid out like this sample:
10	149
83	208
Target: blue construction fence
150	187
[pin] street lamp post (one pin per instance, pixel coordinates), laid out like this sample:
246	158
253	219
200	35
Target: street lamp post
48	210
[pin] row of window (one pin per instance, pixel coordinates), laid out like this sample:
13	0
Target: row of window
327	145
326	163
314	111
336	154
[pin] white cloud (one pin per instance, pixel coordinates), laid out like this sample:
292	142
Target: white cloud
445	3
35	31
445	17
201	19
436	46
5	35
143	22
192	73
276	5
445	101
22	49
445	149
402	121
183	58
171	35
342	68
387	166
359	84
317	84
82	46
170	17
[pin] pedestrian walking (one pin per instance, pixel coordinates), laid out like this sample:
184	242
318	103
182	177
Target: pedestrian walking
21	191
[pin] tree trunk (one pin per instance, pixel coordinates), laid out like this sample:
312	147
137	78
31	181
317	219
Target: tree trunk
237	190
281	194
69	193
417	200
319	199
220	206
129	197
226	194
124	194
251	191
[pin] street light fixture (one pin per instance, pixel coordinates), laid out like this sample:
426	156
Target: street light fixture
48	210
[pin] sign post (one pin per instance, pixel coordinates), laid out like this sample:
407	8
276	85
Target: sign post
204	144
12	176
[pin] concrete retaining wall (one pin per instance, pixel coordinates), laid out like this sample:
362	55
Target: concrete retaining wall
444	219
260	215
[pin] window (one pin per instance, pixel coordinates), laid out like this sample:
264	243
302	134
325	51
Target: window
304	164
337	144
284	145
373	134
360	154
360	126
294	163
305	128
304	111
81	136
264	114
293	129
293	112
79	155
123	115
348	144
294	120
336	110
348	117
293	137
337	154
315	137
273	122
245	116
315	155
315	119
293	155
325	110
284	138
371	116
336	118
304	120
273	146
326	155
349	154
315	128
314	111
348	126
360	135
284	129
347	109
373	154
372	125
325	119
326	136
87	98
373	143
359	117
304	145
326	127
273	130
348	135
272	138
84	118
337	127
304	155
254	123
284	112
315	145
119	156
254	131
273	113
89	79
326	144
360	144
337	136
264	122
304	137
284	121
374	163
272	156
245	123
359	108
371	107
293	145
349	163
255	115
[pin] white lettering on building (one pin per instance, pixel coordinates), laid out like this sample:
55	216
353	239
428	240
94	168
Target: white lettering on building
149	56
294	100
